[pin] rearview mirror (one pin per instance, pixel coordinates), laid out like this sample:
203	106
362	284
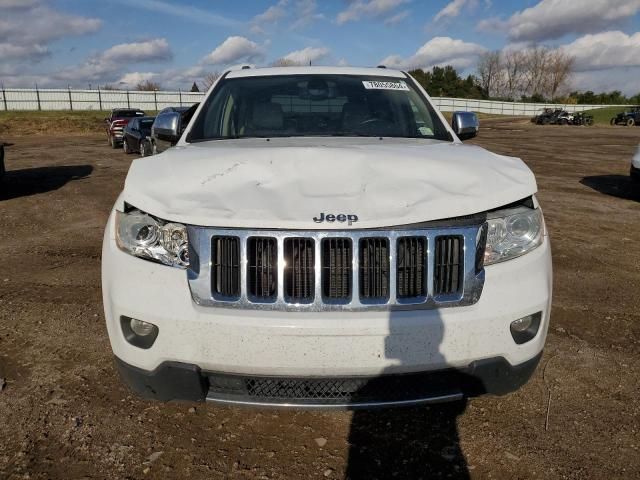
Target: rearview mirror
167	127
465	124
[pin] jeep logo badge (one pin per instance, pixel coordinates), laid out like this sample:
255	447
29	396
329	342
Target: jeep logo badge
330	217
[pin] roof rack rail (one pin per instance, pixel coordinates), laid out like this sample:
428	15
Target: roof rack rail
381	66
246	67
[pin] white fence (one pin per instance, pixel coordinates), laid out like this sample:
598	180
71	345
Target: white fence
63	99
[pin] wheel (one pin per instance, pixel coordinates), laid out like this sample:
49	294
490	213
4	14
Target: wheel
564	121
144	148
125	146
588	121
546	121
113	143
612	121
630	122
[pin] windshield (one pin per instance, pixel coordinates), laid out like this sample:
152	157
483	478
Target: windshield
128	113
317	105
146	123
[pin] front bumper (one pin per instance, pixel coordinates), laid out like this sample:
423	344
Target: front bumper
179	381
324	345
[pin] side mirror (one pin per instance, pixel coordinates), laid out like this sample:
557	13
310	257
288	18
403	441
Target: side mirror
167	127
465	124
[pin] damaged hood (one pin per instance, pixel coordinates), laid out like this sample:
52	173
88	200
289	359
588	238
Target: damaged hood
283	183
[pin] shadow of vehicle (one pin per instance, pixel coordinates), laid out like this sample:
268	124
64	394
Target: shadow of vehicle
409	442
621	186
31	181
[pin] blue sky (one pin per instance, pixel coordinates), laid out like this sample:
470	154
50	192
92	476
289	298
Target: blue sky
120	42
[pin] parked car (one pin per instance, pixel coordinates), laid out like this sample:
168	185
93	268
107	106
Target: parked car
116	121
135	137
166	119
628	117
580	118
321	237
550	116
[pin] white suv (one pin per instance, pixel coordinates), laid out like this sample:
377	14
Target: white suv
320	237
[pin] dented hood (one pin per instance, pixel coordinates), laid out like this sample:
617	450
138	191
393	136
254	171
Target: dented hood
286	182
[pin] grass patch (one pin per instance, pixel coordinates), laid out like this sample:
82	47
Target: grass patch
46	123
82	122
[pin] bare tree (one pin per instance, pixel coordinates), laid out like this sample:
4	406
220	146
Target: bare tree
285	62
514	69
489	71
148	86
560	68
536	80
209	79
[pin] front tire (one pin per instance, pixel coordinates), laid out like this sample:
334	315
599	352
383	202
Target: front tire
630	122
125	146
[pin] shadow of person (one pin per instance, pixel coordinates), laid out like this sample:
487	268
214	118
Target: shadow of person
621	186
409	442
31	181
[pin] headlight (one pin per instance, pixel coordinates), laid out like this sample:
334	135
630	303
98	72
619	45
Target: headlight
513	235
145	236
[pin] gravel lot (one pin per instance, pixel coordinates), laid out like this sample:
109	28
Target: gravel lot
65	414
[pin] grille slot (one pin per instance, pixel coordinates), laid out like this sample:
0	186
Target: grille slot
262	271
447	275
374	268
410	273
337	265
225	268
299	271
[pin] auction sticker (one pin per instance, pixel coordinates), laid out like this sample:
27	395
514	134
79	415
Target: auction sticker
377	85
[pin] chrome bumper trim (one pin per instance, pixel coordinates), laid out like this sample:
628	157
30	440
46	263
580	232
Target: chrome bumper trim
452	397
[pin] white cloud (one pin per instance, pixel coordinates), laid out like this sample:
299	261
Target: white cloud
34	52
453	9
397	18
439	51
605	50
130	80
233	50
155	50
306	12
105	66
28	27
551	19
189	12
306	55
18	4
269	17
367	8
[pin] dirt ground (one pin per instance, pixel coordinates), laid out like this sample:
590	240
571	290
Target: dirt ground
64	413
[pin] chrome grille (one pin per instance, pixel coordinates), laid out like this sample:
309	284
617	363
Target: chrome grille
402	269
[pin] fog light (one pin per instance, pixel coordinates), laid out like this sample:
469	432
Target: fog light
138	332
141	328
525	328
